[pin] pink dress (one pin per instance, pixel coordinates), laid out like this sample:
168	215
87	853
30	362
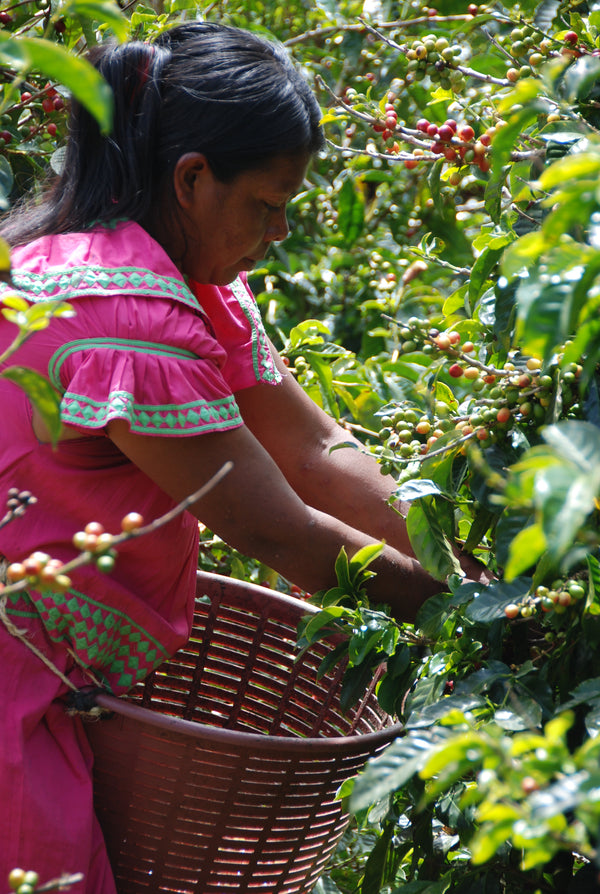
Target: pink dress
145	347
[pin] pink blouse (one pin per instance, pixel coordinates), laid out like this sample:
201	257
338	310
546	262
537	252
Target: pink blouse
167	357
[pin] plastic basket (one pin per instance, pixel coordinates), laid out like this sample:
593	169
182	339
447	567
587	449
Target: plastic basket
220	772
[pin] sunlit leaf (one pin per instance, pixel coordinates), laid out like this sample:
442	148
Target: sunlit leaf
41	393
57	63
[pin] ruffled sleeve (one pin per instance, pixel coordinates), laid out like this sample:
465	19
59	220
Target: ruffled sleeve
238	326
169	383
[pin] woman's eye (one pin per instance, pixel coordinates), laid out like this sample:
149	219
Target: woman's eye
272	207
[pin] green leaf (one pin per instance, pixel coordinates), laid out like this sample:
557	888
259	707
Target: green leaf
6	184
571	169
524	551
41	393
429	540
433	614
483	266
489	605
351	212
392	770
4	256
102	11
417	488
55	62
360	561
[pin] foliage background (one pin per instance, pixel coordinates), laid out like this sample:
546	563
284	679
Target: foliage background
438	295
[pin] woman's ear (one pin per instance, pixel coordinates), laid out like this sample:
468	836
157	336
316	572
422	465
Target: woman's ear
191	171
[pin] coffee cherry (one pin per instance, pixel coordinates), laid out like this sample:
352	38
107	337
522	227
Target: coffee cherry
15	878
94	528
576	591
529	785
48	105
512	610
61	583
15	572
465	133
5	18
571	37
80	540
51	128
131	522
513	75
456	371
503	414
105	563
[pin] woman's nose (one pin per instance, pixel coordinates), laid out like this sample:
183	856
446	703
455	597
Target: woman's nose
278	227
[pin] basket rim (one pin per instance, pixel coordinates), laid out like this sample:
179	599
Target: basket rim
357	743
344	745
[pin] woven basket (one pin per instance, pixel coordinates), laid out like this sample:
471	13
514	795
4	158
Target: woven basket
219	773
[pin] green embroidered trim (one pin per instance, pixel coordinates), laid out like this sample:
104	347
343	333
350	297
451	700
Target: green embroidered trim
262	359
119	344
69	283
103	637
170	419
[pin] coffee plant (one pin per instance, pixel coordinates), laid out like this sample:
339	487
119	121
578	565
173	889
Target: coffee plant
438	296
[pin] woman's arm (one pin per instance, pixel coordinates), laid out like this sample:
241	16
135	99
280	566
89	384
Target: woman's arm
345	483
255	510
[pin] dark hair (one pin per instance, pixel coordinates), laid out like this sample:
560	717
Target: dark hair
199	87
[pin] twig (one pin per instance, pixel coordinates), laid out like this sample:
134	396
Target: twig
85	558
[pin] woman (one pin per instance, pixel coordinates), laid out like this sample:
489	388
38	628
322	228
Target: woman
165	373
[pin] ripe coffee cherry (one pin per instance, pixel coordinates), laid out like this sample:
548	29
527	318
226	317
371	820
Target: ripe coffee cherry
51	128
422	125
512	610
445	133
503	414
465	133
571	37
131	522
529	785
456	371
94	528
48	105
16	571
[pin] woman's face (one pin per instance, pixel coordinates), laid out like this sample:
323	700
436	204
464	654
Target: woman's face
228	227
